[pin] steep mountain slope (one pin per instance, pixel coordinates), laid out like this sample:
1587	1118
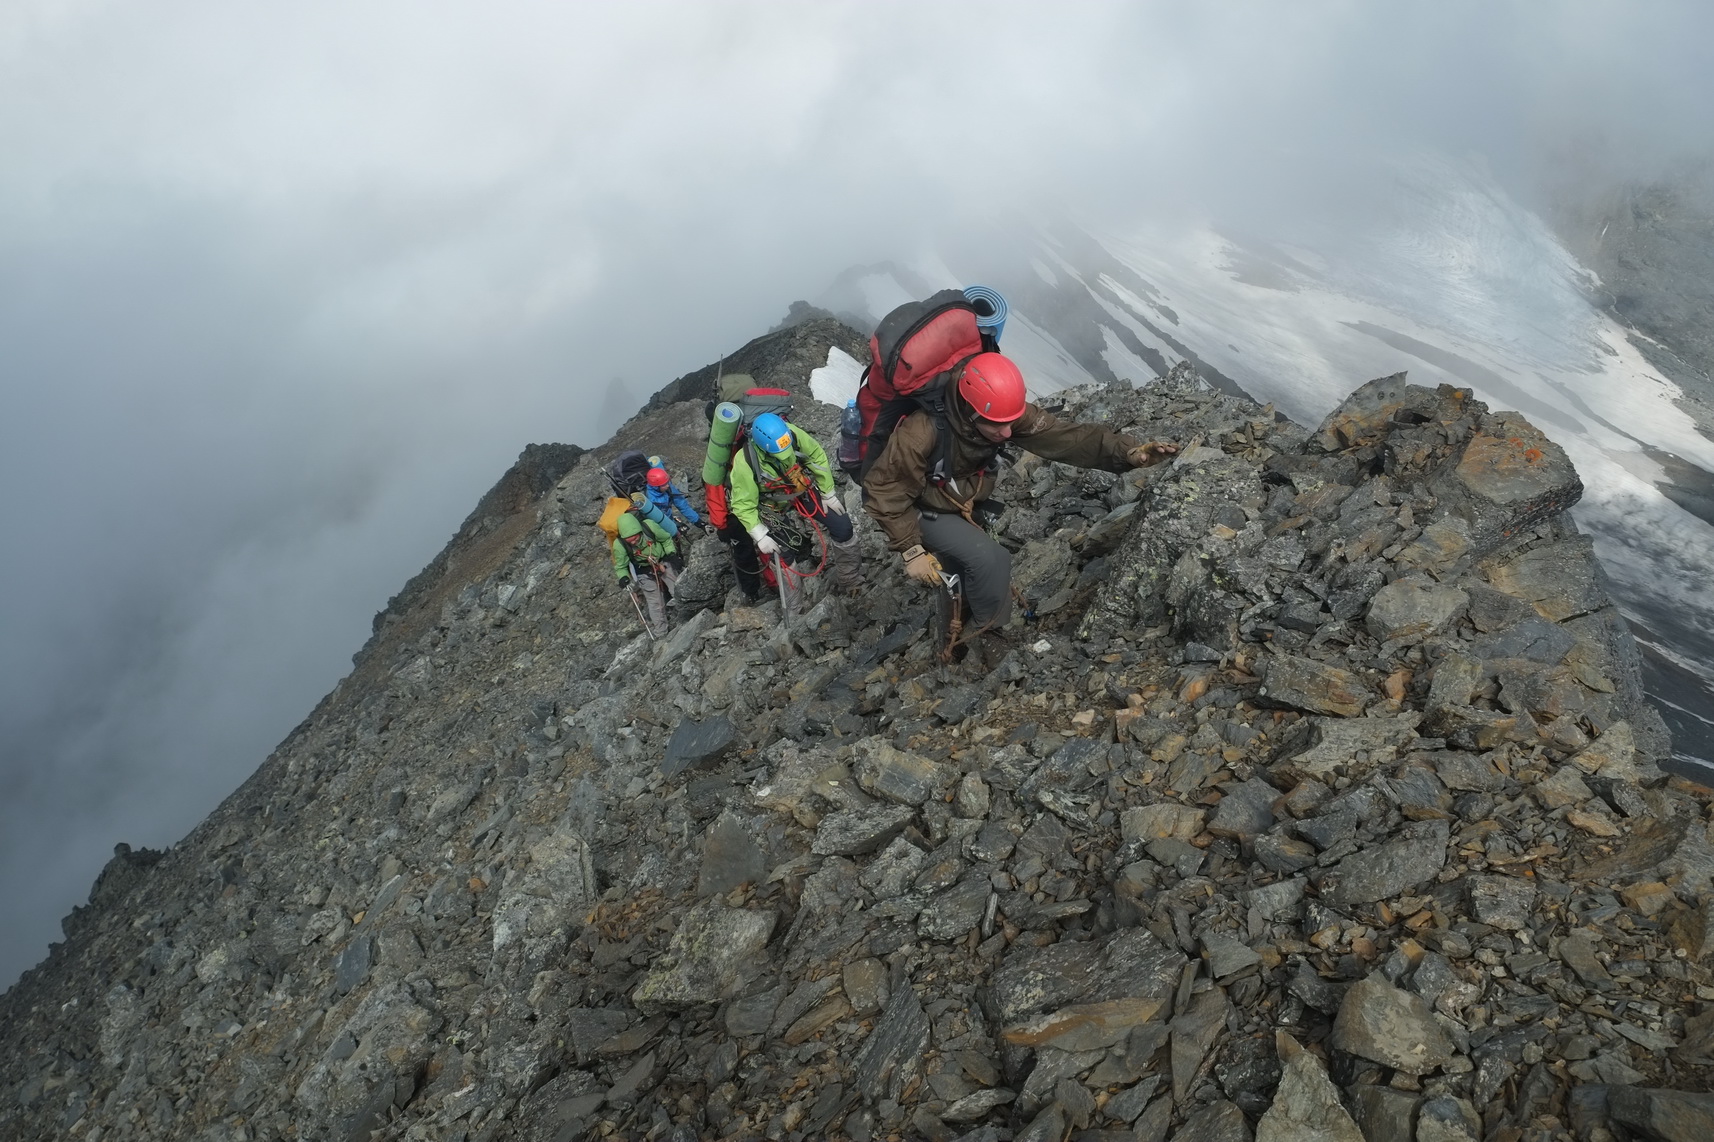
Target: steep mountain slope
1460	284
1320	758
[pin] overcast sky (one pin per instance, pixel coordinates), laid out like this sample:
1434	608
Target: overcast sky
284	288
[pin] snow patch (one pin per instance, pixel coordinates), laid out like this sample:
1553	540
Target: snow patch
836	382
1046	366
1126	365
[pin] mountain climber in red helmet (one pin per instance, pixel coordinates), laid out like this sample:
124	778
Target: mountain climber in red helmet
661	491
926	489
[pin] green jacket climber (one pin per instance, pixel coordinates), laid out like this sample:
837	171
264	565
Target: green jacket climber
644	541
776	484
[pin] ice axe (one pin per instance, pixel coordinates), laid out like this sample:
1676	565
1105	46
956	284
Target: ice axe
955	616
785	606
780	582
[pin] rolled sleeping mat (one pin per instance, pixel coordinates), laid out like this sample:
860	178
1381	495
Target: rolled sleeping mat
990	309
722	431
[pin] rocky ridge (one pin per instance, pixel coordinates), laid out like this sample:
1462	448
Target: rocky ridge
1315	796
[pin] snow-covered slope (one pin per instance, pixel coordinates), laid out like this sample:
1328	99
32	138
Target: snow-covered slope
1456	283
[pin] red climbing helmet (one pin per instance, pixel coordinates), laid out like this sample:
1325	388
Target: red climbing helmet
993	388
658	478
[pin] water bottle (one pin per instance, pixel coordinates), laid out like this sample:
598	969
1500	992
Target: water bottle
850	436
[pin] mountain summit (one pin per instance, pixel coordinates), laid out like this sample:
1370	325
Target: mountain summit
1314	795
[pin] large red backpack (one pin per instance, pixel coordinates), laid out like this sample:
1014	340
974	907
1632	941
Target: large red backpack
915	353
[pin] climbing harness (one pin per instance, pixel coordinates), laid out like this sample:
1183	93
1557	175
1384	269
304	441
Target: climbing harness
794	522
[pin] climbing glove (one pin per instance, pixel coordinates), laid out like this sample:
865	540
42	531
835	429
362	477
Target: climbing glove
1148	455
921	566
833	505
764	542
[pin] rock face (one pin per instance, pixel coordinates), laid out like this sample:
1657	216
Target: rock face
1330	730
1390	1026
1306	1107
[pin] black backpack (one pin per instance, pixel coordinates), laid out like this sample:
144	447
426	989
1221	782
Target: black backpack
628	472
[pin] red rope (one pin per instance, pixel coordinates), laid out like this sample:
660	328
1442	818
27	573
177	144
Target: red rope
821	539
807	504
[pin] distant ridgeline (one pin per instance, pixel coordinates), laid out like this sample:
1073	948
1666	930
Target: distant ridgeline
1316	793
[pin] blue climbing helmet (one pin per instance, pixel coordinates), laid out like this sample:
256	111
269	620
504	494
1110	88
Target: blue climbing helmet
772	435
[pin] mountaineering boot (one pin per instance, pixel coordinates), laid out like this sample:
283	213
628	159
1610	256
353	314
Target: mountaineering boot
847	560
990	647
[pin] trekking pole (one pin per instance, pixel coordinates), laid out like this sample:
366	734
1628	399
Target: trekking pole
780	582
637	602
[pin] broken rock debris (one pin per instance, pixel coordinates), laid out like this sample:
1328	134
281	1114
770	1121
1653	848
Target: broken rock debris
1317	800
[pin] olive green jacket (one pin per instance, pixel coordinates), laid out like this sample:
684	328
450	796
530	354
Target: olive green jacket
654	545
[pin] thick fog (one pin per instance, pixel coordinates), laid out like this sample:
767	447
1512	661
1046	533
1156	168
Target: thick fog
284	288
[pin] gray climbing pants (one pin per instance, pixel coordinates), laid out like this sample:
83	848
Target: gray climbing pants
982	565
654	598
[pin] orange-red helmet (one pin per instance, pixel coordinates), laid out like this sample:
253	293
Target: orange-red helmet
993	388
658	477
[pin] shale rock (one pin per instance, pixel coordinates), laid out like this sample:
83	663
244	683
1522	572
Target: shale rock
1380	1022
1306	1107
1332	731
707	957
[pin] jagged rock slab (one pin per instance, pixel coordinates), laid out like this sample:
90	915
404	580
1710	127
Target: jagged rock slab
1390	1026
556	888
1068	770
1085	1026
1163	819
1502	901
891	1057
1413	858
1305	684
1509	477
854	832
1666	1115
1306	1106
899	775
1367	414
953	913
1409	608
1560	580
1217	1122
1131	964
1447	1119
695	744
1383	1113
1246	809
1227	955
730	857
1194	1032
707	957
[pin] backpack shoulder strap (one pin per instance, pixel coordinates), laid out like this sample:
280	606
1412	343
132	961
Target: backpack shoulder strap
940	460
934	402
